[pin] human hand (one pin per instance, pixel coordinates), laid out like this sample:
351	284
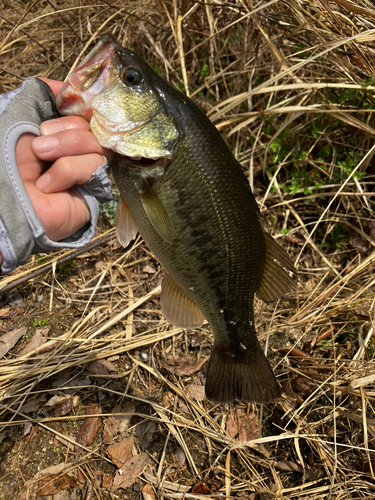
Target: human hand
75	155
50	166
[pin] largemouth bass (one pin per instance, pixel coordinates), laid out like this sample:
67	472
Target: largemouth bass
183	190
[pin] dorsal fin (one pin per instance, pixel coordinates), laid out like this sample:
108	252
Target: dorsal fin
126	230
177	307
156	213
276	282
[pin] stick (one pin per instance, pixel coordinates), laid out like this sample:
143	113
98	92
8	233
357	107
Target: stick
61	260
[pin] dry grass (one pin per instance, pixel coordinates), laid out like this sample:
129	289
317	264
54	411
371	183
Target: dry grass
290	86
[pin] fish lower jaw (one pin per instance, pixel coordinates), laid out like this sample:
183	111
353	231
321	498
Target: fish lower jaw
119	142
113	128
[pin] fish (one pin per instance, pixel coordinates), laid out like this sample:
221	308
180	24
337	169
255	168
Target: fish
183	190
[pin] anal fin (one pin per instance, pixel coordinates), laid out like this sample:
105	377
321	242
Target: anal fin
276	281
177	308
126	230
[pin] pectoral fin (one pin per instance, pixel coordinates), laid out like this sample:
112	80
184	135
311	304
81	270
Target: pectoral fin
126	230
156	213
275	281
177	307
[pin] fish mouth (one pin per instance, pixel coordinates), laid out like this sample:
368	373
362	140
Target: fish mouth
145	163
112	137
87	79
124	140
112	128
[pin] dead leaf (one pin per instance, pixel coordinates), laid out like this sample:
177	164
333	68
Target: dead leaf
37	339
4	312
121	452
90	427
31	486
33	404
99	264
148	269
117	427
51	469
242	427
80	476
168	398
7	312
148	493
184	366
180	456
196	392
295	239
98	474
66	381
33	437
59	440
26	429
107	481
144	433
183	407
197	339
16	300
101	367
53	483
110	430
10	339
128	474
204	489
287	466
303	386
58	406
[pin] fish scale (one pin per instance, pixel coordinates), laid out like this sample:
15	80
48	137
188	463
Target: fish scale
184	191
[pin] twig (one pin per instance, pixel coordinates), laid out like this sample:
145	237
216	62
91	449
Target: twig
58	261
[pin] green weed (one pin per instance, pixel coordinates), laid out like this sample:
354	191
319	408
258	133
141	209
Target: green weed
65	270
40	322
335	238
205	71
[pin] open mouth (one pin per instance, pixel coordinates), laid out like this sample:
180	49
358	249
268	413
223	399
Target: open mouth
141	162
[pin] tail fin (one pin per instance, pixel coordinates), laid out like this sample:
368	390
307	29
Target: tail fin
246	376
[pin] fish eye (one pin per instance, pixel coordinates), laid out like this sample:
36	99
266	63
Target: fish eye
132	76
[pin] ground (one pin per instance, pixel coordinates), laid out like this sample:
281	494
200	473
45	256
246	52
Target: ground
99	396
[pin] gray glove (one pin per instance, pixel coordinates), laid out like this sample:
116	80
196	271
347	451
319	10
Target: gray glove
21	231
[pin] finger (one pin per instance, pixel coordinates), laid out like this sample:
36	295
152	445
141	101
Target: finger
61	214
54	85
68	143
76	215
66	123
69	171
29	166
